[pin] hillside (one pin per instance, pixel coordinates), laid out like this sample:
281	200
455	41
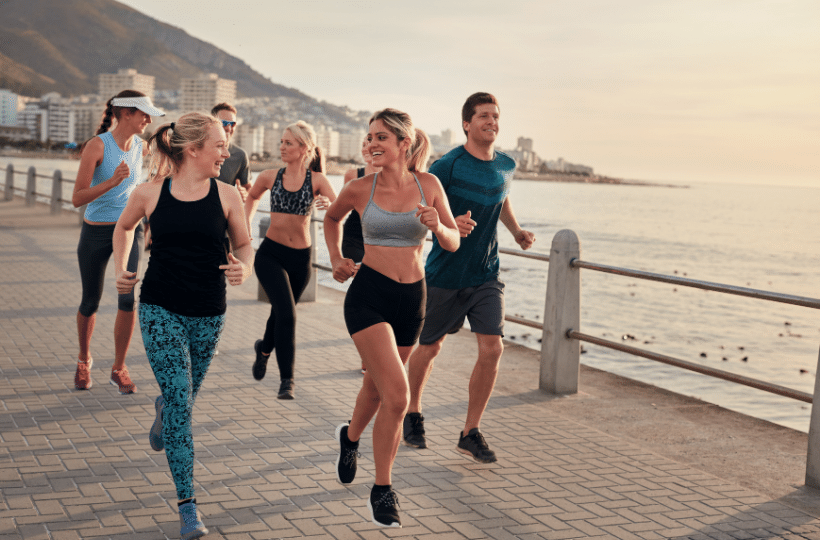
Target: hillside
63	45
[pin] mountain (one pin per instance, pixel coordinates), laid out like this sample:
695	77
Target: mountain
63	45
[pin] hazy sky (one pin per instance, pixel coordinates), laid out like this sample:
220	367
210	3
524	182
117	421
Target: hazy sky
674	90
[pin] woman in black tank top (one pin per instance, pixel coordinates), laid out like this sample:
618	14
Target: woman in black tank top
283	260
183	294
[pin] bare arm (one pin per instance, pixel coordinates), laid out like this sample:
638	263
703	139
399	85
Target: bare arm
135	210
523	238
93	154
240	261
323	191
438	217
262	184
343	268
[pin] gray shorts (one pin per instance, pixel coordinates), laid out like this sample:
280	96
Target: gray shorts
482	305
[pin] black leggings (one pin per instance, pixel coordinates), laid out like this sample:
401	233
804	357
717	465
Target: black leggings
283	272
93	252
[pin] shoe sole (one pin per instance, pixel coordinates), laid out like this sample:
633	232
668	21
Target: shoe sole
285	396
393	525
152	438
477	460
422	446
122	392
195	534
339	457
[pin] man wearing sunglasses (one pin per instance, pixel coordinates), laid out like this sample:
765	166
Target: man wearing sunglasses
236	169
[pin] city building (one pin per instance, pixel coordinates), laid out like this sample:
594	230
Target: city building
273	136
34	117
111	84
8	108
328	140
251	138
85	117
350	145
203	92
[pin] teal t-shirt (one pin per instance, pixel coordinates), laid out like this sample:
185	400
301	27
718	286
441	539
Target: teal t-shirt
480	187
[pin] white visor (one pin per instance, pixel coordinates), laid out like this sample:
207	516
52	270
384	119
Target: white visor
142	103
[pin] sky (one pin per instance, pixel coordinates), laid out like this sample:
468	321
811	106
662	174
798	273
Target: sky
679	91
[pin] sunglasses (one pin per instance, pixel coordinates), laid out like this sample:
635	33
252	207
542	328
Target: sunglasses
228	123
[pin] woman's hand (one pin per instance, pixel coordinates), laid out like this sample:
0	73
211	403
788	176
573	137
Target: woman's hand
121	173
321	202
126	282
428	217
344	269
235	270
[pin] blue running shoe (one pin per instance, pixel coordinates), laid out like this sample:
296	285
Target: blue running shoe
155	435
191	526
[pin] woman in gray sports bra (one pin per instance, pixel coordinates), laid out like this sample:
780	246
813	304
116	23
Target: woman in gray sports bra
283	260
384	306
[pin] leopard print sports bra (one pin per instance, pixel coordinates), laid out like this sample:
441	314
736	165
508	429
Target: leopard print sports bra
291	202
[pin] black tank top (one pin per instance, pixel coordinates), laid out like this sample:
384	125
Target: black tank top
352	231
183	274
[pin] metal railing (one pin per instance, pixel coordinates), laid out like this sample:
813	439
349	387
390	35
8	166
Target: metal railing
55	198
560	343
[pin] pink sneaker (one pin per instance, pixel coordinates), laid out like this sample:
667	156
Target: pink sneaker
121	378
82	378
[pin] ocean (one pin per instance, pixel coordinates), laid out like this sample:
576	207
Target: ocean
763	237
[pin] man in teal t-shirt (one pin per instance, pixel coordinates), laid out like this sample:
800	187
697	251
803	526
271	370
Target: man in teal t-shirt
465	284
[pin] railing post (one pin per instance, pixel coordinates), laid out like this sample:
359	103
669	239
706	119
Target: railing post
31	187
313	282
264	223
813	452
57	192
8	192
561	356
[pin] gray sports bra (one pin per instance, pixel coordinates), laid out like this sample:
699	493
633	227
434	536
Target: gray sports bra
393	229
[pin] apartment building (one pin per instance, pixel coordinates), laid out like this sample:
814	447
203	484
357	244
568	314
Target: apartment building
203	92
111	84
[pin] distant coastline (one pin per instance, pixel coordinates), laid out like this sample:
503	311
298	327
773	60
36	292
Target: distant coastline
336	168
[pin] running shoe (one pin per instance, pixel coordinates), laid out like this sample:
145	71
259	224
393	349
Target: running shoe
190	522
82	377
260	365
384	507
286	389
474	445
121	379
155	435
346	463
414	430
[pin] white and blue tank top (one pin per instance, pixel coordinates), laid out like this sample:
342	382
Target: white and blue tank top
107	207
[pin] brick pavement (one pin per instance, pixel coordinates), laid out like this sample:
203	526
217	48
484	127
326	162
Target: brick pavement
78	465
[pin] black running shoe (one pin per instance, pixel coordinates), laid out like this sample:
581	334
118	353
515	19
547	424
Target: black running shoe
348	456
476	447
414	430
384	507
260	365
286	389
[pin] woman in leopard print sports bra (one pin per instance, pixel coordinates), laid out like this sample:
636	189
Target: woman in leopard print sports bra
283	259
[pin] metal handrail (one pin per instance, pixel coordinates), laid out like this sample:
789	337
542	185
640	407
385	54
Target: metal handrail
698	284
691	366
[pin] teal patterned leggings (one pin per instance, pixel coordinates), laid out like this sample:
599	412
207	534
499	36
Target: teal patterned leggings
179	350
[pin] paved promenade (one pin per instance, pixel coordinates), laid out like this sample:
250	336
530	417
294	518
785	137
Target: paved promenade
620	460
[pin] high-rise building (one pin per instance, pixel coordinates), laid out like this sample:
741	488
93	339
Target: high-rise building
328	140
35	118
203	92
85	118
112	84
350	145
524	144
8	108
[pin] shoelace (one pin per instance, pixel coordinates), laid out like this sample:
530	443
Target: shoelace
416	426
350	455
478	439
388	498
189	515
